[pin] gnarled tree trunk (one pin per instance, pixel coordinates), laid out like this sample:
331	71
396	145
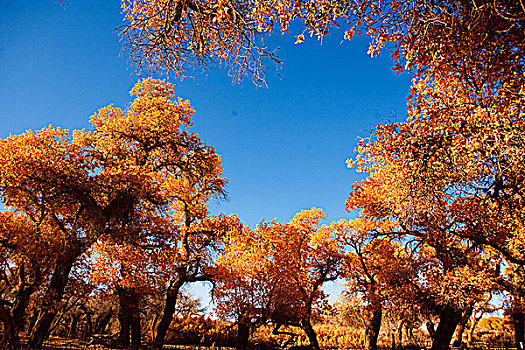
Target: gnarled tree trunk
518	320
306	325
168	312
373	326
462	325
102	321
52	298
16	318
129	317
448	321
243	332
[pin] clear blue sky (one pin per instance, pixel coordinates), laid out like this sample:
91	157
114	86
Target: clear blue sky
283	148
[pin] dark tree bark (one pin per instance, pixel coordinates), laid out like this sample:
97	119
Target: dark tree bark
17	317
102	321
373	326
306	325
243	332
168	312
448	321
125	328
518	320
431	329
89	326
129	316
458	339
393	335
10	338
52	298
136	334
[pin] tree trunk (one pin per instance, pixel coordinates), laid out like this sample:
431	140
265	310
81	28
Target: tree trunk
470	334
136	334
32	321
102	322
153	326
373	326
10	339
400	335
393	335
397	335
52	299
448	321
17	317
462	325
518	319
306	325
168	312
129	316
88	331
125	325
473	324
243	332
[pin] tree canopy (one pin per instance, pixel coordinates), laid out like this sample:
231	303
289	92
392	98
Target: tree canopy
123	207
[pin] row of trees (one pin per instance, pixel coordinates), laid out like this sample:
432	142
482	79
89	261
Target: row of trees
447	183
123	206
121	210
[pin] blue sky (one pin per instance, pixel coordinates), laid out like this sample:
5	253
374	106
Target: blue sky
283	147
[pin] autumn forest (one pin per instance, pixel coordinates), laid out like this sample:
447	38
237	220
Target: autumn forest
103	229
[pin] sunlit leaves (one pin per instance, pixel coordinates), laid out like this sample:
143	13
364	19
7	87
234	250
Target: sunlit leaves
132	191
275	271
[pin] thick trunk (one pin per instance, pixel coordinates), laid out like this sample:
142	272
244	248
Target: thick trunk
306	325
125	325
52	299
10	338
136	334
17	318
458	339
129	316
22	302
243	333
518	319
41	331
169	311
448	321
88	331
102	322
373	326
